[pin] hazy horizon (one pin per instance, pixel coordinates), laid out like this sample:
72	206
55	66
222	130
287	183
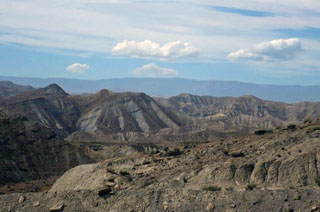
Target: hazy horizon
167	87
155	78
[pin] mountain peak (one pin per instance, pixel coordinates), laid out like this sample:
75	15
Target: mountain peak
104	92
55	89
185	95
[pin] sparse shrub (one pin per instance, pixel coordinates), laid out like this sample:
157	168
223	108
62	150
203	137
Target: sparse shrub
23	118
250	187
237	154
307	121
146	162
229	189
111	171
129	178
291	127
317	180
225	152
211	188
313	128
124	173
111	180
262	132
174	152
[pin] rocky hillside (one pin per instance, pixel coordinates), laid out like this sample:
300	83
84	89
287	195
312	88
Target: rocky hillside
267	171
50	106
106	112
30	151
10	89
244	111
103	113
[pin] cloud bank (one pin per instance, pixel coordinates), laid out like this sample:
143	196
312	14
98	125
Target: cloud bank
152	70
275	50
78	68
151	50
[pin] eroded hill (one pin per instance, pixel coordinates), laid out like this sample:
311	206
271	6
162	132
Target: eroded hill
107	116
102	113
239	113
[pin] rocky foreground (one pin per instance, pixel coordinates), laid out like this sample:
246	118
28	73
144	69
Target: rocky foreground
267	171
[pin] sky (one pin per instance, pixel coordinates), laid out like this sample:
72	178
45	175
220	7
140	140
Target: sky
260	41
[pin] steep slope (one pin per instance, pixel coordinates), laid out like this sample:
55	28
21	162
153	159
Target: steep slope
103	113
107	112
10	89
30	151
50	106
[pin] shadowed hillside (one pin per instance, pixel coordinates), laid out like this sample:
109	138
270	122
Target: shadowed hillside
30	151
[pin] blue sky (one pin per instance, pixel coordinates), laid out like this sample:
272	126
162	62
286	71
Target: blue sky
268	41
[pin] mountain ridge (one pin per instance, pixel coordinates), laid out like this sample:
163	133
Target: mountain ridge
166	87
134	116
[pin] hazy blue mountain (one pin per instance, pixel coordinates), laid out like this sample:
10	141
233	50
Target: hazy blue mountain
10	89
176	86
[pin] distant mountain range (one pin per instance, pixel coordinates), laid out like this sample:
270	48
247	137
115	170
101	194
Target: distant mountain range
175	86
132	116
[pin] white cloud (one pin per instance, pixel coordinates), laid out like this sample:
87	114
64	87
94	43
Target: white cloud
275	50
151	50
78	68
93	26
152	70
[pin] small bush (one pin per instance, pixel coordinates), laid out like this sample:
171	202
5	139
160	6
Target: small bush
237	154
124	173
211	188
317	180
111	171
225	152
313	128
174	152
229	189
291	127
146	162
250	187
262	132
